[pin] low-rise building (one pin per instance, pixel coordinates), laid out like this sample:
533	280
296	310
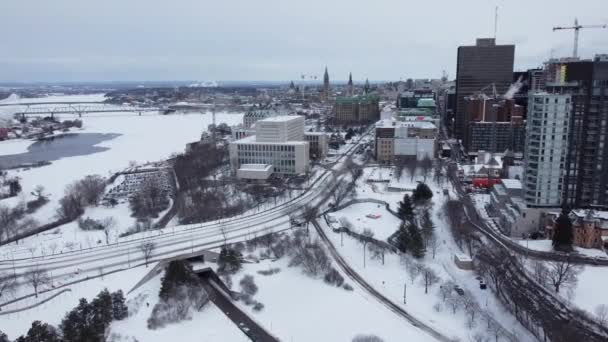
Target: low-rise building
404	139
279	141
356	109
589	227
318	143
508	210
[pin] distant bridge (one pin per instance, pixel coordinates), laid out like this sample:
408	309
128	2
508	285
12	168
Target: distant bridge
49	103
79	108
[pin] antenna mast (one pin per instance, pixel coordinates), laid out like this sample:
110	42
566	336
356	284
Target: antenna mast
495	21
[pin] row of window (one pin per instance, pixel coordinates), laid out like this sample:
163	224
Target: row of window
248	147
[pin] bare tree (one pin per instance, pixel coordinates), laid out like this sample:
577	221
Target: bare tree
433	244
601	312
224	231
377	252
146	248
454	302
563	273
445	290
429	278
366	237
341	191
478	337
367	338
53	246
8	285
413	271
540	272
495	329
426	165
309	213
108	225
411	165
39	192
37	277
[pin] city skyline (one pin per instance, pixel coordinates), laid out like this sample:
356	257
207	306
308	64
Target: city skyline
191	40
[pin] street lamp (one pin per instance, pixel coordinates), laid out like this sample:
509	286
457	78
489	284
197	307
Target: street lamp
404	292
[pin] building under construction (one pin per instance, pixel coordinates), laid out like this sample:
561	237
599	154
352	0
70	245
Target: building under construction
493	124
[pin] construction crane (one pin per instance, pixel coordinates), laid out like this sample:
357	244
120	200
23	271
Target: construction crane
576	28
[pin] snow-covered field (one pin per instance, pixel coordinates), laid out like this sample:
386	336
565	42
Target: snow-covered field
591	287
360	215
300	308
142	139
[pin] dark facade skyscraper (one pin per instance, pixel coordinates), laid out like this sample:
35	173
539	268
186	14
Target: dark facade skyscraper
586	174
480	66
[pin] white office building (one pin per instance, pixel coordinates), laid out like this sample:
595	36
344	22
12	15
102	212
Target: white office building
546	148
278	142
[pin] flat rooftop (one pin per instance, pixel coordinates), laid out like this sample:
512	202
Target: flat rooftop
282	118
511	183
394	123
251	140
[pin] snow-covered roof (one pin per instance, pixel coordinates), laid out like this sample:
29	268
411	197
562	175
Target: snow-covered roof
282	118
251	140
511	183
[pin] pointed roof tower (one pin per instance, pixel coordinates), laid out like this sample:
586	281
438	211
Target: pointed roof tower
326	76
350	78
366	87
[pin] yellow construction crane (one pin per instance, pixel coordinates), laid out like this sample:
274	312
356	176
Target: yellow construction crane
576	28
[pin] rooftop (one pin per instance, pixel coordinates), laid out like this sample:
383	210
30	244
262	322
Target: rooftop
251	140
410	123
511	183
282	118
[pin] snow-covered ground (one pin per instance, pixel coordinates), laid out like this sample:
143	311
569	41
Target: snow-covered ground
14	146
362	217
591	287
300	308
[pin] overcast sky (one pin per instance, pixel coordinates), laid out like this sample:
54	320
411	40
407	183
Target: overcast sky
105	40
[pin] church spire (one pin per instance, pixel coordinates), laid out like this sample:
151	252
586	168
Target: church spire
325	95
350	87
366	87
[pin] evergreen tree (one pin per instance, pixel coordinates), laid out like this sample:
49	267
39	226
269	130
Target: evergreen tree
422	193
403	239
71	326
40	332
563	234
406	209
177	273
119	308
427	226
3	337
102	313
416	246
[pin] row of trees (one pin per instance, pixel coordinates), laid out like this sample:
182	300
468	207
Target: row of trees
412	166
86	322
